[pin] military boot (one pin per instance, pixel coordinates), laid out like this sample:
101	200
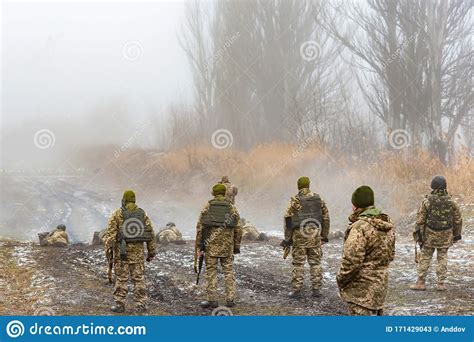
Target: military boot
118	308
296	294
316	293
441	287
209	304
419	285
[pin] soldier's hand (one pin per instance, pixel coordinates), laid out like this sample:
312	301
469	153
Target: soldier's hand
150	257
236	250
285	243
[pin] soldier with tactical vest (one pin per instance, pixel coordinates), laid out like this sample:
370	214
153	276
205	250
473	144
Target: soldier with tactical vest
438	226
306	229
231	189
369	248
218	237
127	230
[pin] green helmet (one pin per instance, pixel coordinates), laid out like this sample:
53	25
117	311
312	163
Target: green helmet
303	182
363	197
218	189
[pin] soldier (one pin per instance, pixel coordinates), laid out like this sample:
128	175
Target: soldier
128	228
306	229
231	189
56	238
369	247
218	237
250	232
438	225
170	234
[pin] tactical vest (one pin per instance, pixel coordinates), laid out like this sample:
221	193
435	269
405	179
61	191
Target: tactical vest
134	228
219	214
440	213
310	211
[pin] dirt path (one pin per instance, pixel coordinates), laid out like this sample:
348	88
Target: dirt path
72	281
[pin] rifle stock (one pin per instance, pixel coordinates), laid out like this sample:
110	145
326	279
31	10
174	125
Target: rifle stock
199	268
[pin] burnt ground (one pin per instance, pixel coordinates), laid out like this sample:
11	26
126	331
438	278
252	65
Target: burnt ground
72	281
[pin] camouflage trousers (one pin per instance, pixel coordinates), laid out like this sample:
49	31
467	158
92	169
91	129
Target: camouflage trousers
313	255
136	272
357	310
425	261
227	265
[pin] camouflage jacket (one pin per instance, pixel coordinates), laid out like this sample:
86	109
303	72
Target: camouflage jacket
135	250
218	241
300	238
169	234
369	247
230	192
250	232
58	238
443	238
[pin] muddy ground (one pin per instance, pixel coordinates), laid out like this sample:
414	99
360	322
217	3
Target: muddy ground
72	281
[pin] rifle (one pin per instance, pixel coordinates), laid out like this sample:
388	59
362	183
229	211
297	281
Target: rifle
110	264
416	235
199	268
201	248
286	252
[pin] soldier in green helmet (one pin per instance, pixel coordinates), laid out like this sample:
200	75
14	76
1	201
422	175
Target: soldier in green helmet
438	226
218	237
128	229
306	229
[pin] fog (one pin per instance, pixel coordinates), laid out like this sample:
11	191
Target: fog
81	69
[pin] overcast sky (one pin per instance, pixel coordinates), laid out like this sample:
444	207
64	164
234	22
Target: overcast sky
65	59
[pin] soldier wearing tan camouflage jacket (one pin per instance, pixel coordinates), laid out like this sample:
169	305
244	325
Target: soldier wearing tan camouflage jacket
127	230
438	225
231	189
369	247
306	228
170	234
56	238
218	237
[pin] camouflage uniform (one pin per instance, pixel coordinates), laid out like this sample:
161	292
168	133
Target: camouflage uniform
438	224
220	244
57	238
134	266
231	191
251	233
306	244
170	234
369	247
